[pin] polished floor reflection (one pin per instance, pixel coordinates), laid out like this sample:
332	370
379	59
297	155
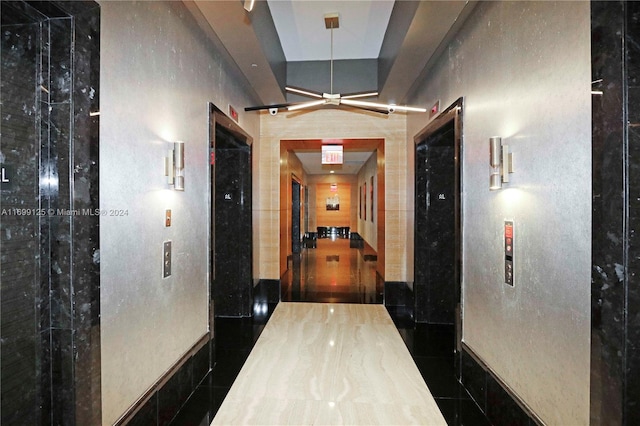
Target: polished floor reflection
336	270
431	346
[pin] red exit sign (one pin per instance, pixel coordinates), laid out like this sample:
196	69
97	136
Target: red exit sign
332	154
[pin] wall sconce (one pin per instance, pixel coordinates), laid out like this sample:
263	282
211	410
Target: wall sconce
174	166
501	162
248	5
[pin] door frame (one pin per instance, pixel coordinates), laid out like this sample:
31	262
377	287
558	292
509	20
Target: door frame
453	113
218	117
298	244
357	144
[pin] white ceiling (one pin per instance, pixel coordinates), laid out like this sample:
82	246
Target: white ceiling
304	37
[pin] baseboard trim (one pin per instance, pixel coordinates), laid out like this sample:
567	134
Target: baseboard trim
266	291
183	363
482	385
398	293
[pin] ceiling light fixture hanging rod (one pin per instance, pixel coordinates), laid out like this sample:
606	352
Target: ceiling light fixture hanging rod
331	57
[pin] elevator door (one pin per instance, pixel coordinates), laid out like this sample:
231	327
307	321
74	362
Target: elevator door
296	246
232	230
435	272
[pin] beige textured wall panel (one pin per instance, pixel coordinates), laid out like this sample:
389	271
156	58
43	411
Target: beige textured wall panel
265	221
332	124
269	184
266	192
396	243
396	189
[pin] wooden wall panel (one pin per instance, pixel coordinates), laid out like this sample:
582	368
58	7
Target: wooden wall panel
341	217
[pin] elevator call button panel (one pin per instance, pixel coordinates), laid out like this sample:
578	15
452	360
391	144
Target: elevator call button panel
508	252
166	259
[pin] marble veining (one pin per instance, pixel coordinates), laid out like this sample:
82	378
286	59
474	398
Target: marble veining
329	364
51	336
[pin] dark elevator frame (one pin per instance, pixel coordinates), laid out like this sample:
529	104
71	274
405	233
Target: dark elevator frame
218	118
452	114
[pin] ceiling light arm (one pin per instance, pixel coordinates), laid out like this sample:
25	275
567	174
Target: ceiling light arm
295	107
359	95
303	92
389	107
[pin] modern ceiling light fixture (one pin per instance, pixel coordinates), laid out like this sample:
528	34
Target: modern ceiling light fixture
332	22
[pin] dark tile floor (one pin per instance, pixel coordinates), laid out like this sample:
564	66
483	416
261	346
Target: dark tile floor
323	274
432	348
336	270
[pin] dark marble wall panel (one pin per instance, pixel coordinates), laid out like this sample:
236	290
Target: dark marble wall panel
60	39
474	378
632	338
55	157
615	359
170	394
85	197
398	293
175	393
56	61
147	415
500	407
19	248
268	291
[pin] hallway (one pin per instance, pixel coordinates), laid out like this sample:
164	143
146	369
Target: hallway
329	364
337	270
352	281
137	272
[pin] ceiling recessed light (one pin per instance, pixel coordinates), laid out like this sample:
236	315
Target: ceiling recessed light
254	65
332	171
